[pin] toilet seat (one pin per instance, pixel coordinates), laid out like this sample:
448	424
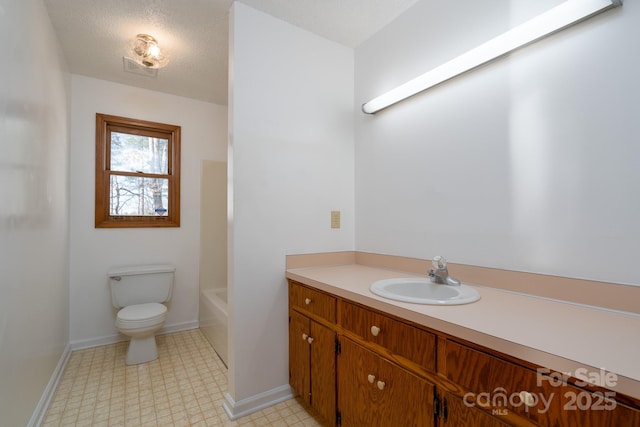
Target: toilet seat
141	315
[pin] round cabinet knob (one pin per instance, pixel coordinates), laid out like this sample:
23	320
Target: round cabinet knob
309	340
305	336
527	398
371	378
375	331
307	301
380	385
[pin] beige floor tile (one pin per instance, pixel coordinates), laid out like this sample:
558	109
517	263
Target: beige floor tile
183	387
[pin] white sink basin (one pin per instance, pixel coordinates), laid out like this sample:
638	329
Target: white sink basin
423	291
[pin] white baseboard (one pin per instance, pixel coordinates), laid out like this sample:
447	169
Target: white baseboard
112	339
255	403
43	404
179	327
96	342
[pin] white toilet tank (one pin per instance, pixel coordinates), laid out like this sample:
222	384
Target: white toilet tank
139	284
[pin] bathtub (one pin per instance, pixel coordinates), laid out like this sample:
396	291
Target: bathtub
213	319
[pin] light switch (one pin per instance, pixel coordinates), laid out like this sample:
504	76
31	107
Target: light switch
335	219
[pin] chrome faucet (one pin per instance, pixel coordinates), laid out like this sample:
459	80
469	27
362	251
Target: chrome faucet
440	274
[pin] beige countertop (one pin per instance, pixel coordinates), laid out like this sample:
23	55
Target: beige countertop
561	336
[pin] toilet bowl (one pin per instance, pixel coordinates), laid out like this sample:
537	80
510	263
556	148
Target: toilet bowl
138	292
140	322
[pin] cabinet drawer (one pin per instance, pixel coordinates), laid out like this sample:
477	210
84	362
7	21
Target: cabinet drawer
502	387
399	338
490	382
313	301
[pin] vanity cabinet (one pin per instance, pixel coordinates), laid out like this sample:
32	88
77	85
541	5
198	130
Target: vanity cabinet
312	350
358	366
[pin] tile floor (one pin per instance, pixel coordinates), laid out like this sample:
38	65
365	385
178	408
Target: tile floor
183	387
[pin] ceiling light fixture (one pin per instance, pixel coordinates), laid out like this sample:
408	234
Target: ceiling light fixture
145	51
555	19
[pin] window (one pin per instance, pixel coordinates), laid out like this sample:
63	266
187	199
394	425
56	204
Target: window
137	173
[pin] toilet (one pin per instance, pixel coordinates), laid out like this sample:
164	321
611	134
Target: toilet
139	293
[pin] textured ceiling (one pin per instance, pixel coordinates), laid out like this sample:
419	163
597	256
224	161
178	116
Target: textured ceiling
94	35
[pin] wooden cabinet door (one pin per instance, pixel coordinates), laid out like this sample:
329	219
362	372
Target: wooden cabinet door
312	364
323	371
299	355
374	392
357	393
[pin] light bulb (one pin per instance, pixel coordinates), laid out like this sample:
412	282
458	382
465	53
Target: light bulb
154	50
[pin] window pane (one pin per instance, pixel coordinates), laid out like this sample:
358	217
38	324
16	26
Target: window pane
138	196
136	153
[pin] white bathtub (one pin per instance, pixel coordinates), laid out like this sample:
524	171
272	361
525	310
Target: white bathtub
213	319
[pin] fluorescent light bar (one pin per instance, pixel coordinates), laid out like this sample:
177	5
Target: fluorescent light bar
556	19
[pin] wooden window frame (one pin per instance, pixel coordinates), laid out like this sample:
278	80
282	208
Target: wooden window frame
104	126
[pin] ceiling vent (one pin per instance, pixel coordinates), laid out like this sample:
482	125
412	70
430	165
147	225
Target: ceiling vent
131	66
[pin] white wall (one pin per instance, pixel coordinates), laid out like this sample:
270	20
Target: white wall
34	195
94	251
291	163
213	225
529	163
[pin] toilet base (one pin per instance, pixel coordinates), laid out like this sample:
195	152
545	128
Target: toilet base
142	350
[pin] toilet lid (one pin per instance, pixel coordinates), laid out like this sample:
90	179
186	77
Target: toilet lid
138	312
